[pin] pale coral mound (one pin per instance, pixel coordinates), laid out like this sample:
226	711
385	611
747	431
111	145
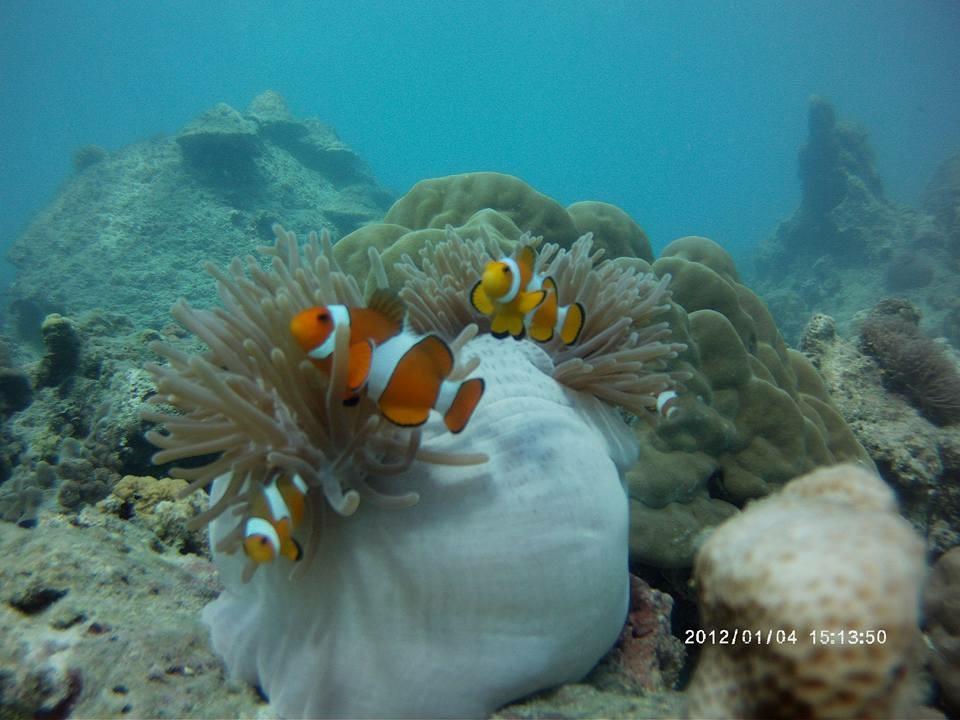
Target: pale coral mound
821	585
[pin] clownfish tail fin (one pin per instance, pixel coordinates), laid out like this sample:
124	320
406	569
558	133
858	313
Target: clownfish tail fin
388	303
464	403
572	323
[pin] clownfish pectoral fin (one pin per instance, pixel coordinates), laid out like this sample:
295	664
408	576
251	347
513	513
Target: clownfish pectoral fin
528	302
480	300
572	323
390	306
463	405
415	382
361	355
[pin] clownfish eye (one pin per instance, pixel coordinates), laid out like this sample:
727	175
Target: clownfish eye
505	269
323	317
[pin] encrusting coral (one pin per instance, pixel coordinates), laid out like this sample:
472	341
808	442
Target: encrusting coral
443	574
810	604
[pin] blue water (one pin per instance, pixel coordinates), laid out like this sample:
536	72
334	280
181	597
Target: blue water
686	114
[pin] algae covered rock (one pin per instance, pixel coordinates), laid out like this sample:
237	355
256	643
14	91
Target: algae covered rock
126	232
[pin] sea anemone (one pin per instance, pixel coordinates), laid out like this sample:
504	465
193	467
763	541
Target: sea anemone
620	349
912	363
443	574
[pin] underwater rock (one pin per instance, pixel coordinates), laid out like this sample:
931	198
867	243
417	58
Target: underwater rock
97	620
827	555
120	231
61	343
942	611
220	145
848	245
647	657
941	199
504	579
15	390
919	460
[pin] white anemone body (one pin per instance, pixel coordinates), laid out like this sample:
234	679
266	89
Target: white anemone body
506	577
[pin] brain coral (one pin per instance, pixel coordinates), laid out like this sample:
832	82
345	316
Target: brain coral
443	575
754	415
828	554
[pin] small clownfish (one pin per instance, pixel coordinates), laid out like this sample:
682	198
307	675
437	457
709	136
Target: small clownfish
667	403
275	512
408	378
314	330
501	293
550	319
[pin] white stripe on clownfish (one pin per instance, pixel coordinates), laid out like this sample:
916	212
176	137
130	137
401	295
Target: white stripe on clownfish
666	403
408	378
340	316
515	283
278	508
259	526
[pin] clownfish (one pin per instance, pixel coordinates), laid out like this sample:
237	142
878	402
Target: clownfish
550	319
502	293
275	512
667	403
408	378
314	330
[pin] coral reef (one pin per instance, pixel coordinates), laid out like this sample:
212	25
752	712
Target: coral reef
912	363
451	508
827	555
62	350
119	232
80	436
847	245
501	206
941	199
942	613
918	459
753	414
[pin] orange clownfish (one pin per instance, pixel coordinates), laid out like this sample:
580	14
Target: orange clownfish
550	319
275	512
408	378
371	326
502	293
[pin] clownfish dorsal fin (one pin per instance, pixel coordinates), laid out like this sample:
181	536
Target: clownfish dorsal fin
526	259
480	300
388	303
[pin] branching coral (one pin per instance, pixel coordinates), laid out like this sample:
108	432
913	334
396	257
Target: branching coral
621	352
256	402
